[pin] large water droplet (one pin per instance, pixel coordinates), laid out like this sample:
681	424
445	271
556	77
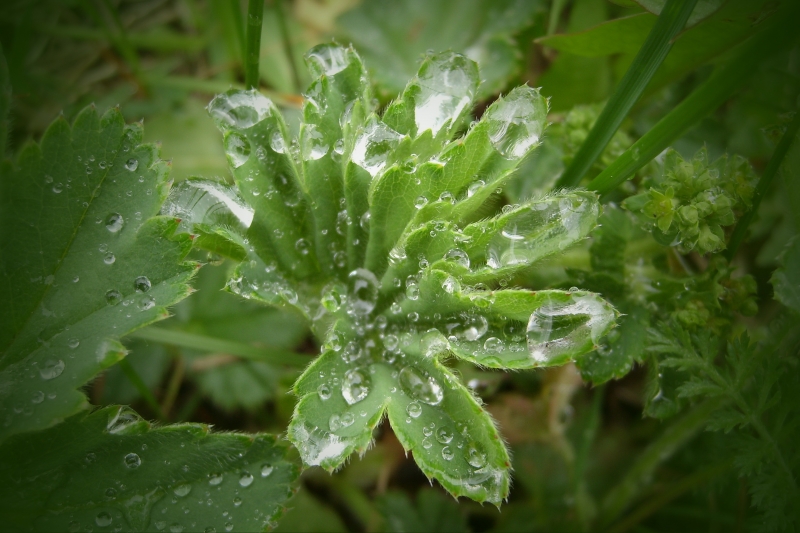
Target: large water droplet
132	460
355	386
420	387
373	146
312	143
214	479
237	146
458	257
245	479
328	59
51	369
446	83
469	328
543	228
113	297
114	222
239	109
132	164
516	122
566	325
266	470
475	456
182	490
141	284
103	519
363	291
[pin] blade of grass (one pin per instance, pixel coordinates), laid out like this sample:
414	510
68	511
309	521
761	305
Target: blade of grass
773	166
287	44
723	83
144	390
255	17
196	341
650	56
659	450
174	386
158	41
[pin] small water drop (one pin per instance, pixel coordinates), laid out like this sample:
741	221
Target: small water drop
132	460
73	343
324	391
238	148
103	519
182	490
414	409
214	479
113	297
132	164
420	202
141	284
444	435
355	386
114	222
426	389
363	291
246	479
475	456
51	369
447	453
266	470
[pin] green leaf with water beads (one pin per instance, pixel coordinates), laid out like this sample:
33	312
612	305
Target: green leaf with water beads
112	470
83	260
396	265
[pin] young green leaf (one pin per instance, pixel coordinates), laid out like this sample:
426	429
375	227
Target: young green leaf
395	275
111	469
83	260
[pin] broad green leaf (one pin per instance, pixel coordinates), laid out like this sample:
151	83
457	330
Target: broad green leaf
112	470
83	260
390	202
393	36
786	279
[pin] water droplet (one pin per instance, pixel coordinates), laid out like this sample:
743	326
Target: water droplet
433	343
458	257
363	291
475	456
38	397
364	223
237	146
426	389
51	369
493	345
414	409
73	343
444	435
229	526
175	527
447	453
103	519
412	290
148	302
132	460
214	479
132	164
420	202
113	297
327	59
451	285
114	222
470	328
237	501
266	470
239	109
246	479
446	84
313	145
109	258
182	490
324	391
372	148
141	284
302	246
516	122
355	386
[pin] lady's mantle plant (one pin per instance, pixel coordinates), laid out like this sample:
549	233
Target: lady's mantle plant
371	227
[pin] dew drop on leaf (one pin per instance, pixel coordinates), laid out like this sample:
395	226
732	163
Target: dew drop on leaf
372	148
237	146
266	470
182	490
141	284
475	456
239	109
103	519
38	397
132	460
420	202
516	122
313	145
419	387
246	479
113	297
355	386
445	89
51	369
114	222
324	391
214	479
132	164
458	257
447	453
109	258
414	409
444	435
363	291
327	59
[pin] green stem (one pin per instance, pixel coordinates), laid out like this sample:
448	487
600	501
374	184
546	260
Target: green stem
697	479
196	341
650	56
140	385
555	13
658	451
287	45
724	82
763	185
255	18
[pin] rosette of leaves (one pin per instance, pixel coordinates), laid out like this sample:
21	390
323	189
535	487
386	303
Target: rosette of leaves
368	226
691	201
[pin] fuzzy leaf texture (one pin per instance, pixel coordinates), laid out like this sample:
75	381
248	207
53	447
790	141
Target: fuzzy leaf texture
365	225
83	260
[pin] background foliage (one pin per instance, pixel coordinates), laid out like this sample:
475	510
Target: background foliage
619	442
